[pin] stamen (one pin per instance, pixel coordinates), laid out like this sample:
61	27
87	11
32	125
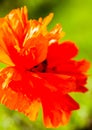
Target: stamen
40	67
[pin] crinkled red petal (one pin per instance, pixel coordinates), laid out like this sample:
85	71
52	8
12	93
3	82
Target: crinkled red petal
57	109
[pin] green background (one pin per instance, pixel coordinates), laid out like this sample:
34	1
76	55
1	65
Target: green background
76	19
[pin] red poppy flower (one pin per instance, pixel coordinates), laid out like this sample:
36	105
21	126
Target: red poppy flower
40	71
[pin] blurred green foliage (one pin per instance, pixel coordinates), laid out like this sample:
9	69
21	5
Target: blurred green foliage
76	19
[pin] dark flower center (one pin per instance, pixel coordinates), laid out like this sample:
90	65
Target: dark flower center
40	67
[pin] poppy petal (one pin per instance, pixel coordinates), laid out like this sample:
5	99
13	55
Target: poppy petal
55	34
5	58
76	69
61	52
62	83
38	48
57	109
21	102
18	26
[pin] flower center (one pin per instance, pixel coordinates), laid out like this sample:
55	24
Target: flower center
40	67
